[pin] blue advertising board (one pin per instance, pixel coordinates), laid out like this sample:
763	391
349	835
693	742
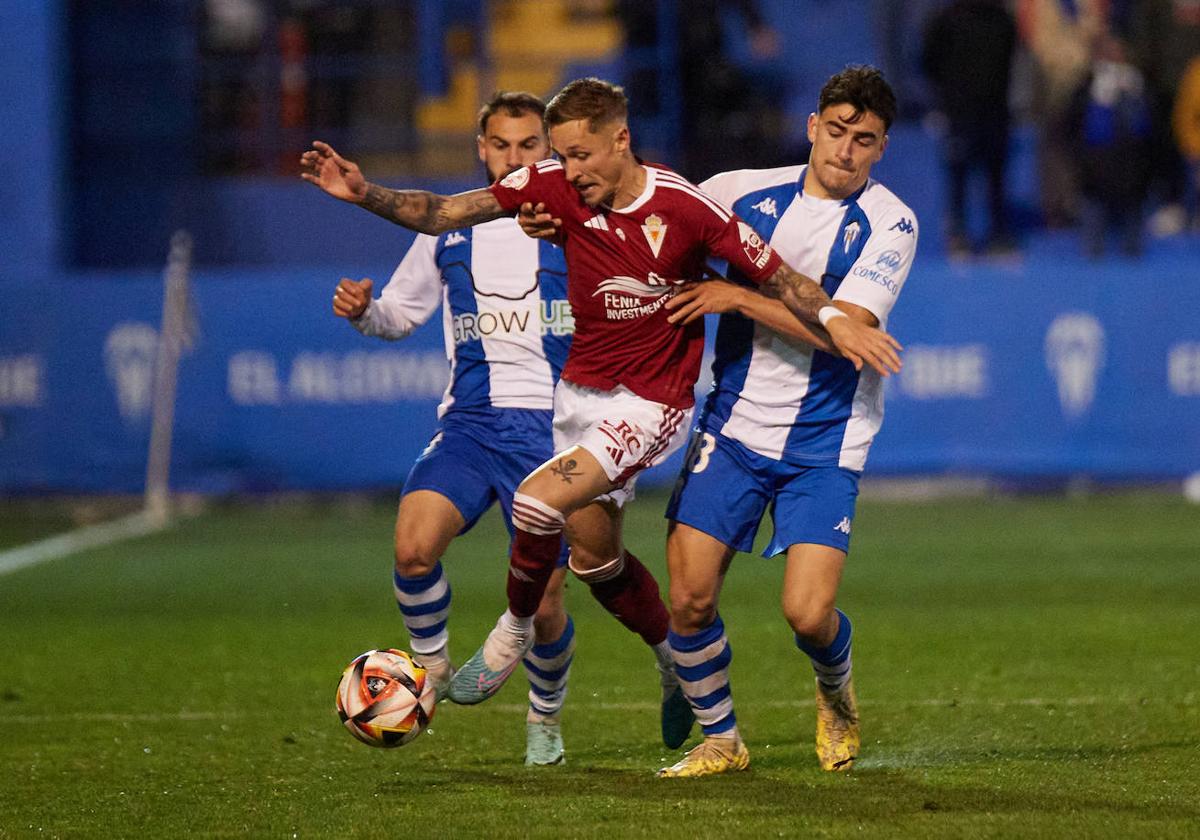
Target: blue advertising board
1086	369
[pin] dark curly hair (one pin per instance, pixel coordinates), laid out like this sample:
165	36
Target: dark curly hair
863	88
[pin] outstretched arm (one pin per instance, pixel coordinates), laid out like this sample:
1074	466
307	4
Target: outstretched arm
695	300
858	342
417	210
802	295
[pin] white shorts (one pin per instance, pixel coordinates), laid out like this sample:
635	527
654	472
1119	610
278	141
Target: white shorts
622	431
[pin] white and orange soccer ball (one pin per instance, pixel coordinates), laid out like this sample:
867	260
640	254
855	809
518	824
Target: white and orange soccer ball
385	699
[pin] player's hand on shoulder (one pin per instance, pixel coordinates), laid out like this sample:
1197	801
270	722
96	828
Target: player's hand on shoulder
863	344
352	297
695	300
538	224
341	178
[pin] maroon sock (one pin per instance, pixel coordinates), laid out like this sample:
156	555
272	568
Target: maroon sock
531	563
632	596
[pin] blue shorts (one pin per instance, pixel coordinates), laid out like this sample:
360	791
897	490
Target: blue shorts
724	489
460	464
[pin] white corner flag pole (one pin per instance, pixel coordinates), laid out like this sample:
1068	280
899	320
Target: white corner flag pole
176	335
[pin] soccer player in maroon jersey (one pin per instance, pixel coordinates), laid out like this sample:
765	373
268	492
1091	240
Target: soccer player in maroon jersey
633	233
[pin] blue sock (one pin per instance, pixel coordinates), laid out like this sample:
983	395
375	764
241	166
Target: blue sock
702	665
831	664
424	603
548	667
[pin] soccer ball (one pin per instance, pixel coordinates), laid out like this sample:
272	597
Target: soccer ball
385	699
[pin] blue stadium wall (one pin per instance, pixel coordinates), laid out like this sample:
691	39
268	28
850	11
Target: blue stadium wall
1080	370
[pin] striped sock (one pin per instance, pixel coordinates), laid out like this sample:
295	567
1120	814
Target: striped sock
627	590
424	603
831	664
548	667
702	663
536	546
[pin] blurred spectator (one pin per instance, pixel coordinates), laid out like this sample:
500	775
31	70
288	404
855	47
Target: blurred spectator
968	54
1165	37
898	32
336	35
1186	121
726	120
1111	123
1059	34
231	38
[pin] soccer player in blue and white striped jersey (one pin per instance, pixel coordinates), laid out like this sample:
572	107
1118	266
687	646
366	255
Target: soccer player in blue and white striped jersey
788	422
507	328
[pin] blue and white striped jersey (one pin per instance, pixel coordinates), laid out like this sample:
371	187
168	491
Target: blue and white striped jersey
780	398
505	315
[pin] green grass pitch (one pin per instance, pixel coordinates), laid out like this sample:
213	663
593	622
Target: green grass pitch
1026	668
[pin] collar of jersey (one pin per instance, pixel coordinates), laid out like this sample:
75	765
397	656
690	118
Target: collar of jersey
813	201
646	195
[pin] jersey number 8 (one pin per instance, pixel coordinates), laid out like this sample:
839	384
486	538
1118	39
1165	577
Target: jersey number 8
701	447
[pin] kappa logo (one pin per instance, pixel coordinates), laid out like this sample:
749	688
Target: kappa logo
455	238
850	236
517	179
904	226
655	232
843	526
766	207
757	251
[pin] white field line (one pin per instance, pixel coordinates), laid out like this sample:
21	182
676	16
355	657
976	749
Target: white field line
583	706
92	536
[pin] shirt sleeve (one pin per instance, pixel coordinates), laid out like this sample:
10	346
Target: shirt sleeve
409	298
875	279
539	182
736	242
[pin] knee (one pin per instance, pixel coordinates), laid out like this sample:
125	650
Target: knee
809	619
583	560
692	609
413	557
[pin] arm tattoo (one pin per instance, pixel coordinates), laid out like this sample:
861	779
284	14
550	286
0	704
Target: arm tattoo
430	213
802	295
475	207
566	469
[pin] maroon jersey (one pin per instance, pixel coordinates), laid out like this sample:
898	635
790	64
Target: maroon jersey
623	265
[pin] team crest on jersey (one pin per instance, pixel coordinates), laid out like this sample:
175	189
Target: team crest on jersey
850	236
757	251
655	232
620	234
517	179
